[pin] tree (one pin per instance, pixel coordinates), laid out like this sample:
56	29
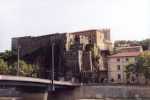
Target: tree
36	70
130	69
3	67
94	50
141	67
143	62
8	65
120	43
8	57
24	68
145	44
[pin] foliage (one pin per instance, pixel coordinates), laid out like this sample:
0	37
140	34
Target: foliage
24	68
95	51
144	43
8	57
35	72
3	67
95	55
130	69
8	65
119	43
142	65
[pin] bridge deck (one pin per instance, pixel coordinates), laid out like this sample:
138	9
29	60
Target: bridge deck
35	80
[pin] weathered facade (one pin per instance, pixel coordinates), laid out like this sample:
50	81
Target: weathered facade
117	64
99	37
72	64
38	51
72	60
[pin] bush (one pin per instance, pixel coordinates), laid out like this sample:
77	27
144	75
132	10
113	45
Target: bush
3	67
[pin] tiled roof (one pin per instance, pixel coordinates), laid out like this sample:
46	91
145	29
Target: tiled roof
126	54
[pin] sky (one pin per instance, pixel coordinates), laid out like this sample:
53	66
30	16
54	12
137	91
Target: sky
127	19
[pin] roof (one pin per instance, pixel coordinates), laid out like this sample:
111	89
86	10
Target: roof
130	47
126	54
100	30
83	31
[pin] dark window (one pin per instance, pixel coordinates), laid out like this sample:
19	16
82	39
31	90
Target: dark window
118	59
90	41
112	80
127	59
133	79
118	67
119	76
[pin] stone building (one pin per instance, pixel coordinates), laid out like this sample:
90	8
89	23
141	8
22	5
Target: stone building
71	59
72	64
117	63
90	68
79	43
38	51
76	59
99	37
129	49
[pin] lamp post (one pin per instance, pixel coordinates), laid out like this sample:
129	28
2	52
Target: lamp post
52	72
18	60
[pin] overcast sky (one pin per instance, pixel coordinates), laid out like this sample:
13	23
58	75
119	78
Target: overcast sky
127	19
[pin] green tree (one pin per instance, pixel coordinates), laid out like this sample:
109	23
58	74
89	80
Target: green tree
8	65
94	50
24	68
36	71
96	56
145	44
6	55
130	69
3	67
142	66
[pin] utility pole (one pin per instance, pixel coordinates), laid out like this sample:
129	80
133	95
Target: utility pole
53	70
18	58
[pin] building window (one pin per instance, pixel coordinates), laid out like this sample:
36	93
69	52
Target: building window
90	41
118	59
112	80
118	67
127	59
119	76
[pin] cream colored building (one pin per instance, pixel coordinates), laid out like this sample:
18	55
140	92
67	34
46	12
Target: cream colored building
117	66
99	37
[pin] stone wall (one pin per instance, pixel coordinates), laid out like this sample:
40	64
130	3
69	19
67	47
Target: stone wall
72	63
101	92
38	51
87	61
30	44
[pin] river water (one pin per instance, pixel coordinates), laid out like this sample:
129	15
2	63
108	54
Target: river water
19	98
118	99
80	94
